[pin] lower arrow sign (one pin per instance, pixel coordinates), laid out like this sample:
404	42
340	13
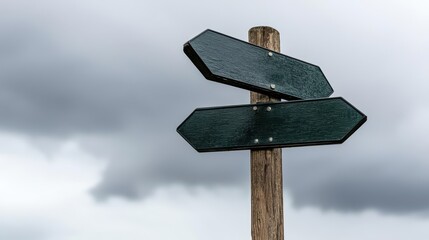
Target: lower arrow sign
283	124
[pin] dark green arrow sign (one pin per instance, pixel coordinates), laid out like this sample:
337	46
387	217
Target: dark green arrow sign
231	61
283	124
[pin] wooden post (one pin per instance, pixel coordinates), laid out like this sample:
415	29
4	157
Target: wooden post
266	165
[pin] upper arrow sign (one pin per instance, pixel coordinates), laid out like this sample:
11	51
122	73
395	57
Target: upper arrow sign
268	125
234	62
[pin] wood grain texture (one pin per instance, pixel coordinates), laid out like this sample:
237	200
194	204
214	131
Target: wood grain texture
266	172
287	124
234	62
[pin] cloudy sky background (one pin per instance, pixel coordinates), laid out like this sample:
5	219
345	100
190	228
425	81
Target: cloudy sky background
91	93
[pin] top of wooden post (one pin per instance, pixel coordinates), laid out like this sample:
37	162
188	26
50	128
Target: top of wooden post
266	37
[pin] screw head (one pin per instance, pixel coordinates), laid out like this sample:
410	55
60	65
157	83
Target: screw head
268	109
270	139
256	140
272	86
255	108
270	54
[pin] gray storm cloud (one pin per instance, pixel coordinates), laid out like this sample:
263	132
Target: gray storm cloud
121	86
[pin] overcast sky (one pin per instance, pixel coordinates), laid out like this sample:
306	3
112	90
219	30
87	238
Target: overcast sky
91	93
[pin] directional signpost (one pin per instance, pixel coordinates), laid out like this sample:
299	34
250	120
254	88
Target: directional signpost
234	62
271	125
264	128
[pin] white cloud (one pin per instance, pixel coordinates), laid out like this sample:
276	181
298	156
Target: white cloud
47	196
31	179
50	201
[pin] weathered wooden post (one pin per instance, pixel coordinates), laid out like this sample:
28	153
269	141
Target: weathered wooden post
266	164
